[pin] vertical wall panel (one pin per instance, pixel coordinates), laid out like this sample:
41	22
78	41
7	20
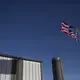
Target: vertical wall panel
27	70
24	65
39	72
37	67
32	70
3	65
0	68
5	68
36	71
9	66
1	75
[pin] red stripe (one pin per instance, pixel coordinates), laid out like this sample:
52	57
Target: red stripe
64	29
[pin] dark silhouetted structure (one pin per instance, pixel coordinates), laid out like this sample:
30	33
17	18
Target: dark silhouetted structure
57	69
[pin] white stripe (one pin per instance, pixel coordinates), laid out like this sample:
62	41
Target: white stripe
65	25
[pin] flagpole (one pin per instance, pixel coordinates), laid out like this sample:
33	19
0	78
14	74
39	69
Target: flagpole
77	34
76	31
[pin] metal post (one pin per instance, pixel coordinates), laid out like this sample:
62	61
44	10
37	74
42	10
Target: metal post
57	69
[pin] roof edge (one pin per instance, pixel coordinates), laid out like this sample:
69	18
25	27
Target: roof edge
18	57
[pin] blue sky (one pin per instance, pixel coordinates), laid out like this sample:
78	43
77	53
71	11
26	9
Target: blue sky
31	30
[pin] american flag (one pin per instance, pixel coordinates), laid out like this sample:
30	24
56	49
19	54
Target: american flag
71	31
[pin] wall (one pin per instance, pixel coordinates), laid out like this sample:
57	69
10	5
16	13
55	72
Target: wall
31	70
11	69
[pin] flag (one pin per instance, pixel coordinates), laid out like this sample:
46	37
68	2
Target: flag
69	30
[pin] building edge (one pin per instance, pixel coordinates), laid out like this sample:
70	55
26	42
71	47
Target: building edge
18	57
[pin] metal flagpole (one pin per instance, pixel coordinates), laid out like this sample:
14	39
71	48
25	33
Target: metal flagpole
77	34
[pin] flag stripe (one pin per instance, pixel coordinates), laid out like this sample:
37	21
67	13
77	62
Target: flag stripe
65	30
65	25
62	27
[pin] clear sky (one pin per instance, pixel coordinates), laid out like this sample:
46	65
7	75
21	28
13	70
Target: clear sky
31	29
